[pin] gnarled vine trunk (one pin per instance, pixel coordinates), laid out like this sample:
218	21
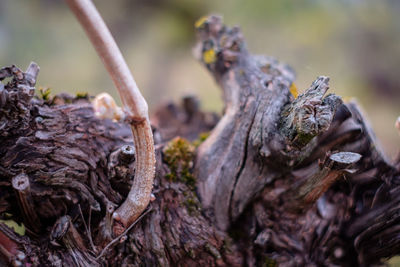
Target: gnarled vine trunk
278	179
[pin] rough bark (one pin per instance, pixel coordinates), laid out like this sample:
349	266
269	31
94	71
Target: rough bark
294	181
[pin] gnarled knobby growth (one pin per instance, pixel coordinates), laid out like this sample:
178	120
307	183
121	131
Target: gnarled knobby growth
263	126
259	174
135	108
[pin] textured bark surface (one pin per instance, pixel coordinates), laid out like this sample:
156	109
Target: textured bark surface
278	179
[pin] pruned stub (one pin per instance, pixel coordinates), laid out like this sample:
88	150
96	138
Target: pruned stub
255	90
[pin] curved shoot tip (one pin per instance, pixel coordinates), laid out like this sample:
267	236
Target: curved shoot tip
105	107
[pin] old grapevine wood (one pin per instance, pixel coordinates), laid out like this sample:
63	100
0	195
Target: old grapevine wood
279	180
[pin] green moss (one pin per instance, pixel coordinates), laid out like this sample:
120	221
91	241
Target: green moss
171	177
82	95
303	138
178	154
268	262
192	205
188	179
44	93
202	137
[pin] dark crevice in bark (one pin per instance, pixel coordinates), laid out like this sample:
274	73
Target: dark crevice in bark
243	162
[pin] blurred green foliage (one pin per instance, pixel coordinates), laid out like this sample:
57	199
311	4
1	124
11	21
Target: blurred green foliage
355	42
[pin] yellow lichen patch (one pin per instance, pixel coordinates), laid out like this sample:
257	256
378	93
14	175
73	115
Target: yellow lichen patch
293	90
200	22
209	56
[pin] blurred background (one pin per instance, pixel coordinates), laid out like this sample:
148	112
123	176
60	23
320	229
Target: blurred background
355	42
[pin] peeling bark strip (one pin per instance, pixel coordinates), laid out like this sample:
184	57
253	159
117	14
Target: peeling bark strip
268	175
135	107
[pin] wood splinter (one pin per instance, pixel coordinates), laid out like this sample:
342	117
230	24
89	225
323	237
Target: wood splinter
310	190
22	190
135	108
